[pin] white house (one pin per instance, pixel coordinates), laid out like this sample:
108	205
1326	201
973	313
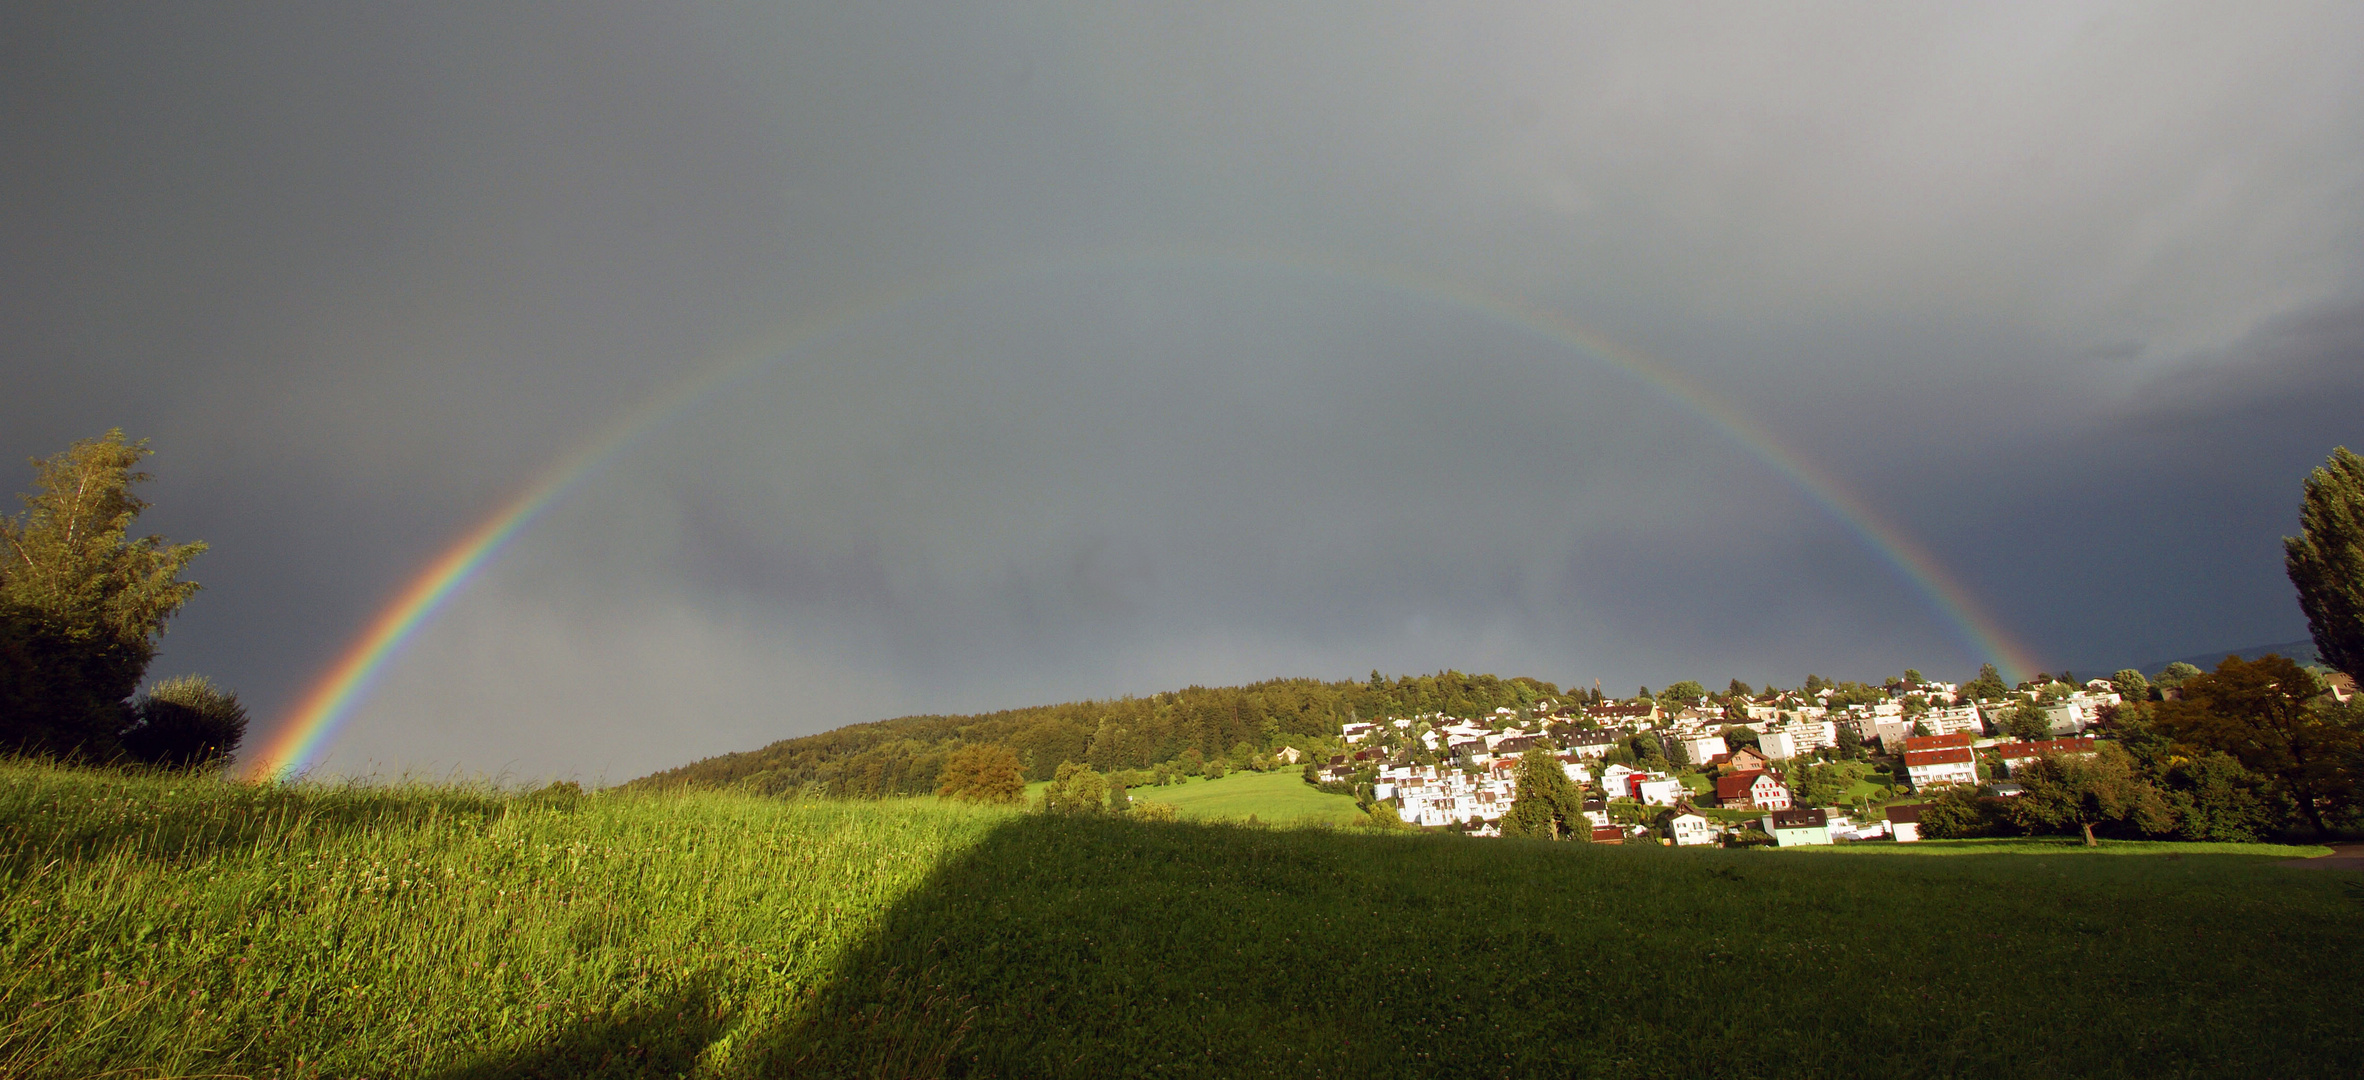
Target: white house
1690	829
1791	828
1660	791
1702	747
1905	822
1777	746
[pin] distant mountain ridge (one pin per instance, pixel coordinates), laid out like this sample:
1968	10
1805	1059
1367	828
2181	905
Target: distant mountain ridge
2302	651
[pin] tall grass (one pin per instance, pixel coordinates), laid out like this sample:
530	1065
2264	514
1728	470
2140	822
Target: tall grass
155	926
175	925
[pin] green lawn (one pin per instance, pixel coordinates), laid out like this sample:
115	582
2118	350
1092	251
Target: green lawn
156	926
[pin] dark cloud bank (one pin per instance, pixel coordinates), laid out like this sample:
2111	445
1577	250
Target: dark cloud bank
2070	292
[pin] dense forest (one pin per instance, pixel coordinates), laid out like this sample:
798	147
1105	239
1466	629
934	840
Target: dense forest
1184	729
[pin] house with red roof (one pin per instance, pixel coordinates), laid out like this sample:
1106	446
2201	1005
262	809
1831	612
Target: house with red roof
1940	760
1756	789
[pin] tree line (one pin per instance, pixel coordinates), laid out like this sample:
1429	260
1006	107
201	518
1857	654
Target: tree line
1192	732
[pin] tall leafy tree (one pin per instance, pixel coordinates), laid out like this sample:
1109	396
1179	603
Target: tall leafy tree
1683	693
982	773
2265	714
2326	560
1549	806
2131	685
82	600
2059	791
2027	721
2173	676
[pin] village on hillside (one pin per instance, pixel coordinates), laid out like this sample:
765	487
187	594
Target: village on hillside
1818	765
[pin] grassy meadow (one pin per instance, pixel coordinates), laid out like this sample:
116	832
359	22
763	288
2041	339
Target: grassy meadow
1281	797
163	926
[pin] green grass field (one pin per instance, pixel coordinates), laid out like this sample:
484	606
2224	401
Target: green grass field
1273	798
159	926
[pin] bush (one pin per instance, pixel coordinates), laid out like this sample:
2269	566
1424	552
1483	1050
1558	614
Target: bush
184	723
1076	789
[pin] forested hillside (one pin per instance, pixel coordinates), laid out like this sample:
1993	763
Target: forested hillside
1232	725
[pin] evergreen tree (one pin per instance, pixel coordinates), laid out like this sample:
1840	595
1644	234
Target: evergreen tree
81	600
2326	560
1987	686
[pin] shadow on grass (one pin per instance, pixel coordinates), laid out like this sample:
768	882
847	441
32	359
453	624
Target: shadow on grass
1111	948
664	1038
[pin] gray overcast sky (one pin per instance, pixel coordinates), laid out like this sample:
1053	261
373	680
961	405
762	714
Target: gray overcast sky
2073	293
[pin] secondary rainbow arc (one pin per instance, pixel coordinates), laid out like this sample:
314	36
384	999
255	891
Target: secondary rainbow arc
299	741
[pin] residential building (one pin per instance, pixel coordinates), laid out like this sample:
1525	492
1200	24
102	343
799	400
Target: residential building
1807	736
1792	828
1659	790
1638	714
1755	790
1689	830
1777	746
1904	822
1940	760
1592	744
1956	720
1702	747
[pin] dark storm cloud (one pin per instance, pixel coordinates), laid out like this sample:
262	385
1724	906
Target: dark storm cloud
2065	290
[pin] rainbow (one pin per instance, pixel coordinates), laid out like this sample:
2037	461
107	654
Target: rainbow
300	740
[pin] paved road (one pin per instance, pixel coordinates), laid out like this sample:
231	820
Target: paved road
2342	857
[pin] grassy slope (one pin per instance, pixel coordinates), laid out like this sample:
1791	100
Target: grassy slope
193	926
1274	798
1281	797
